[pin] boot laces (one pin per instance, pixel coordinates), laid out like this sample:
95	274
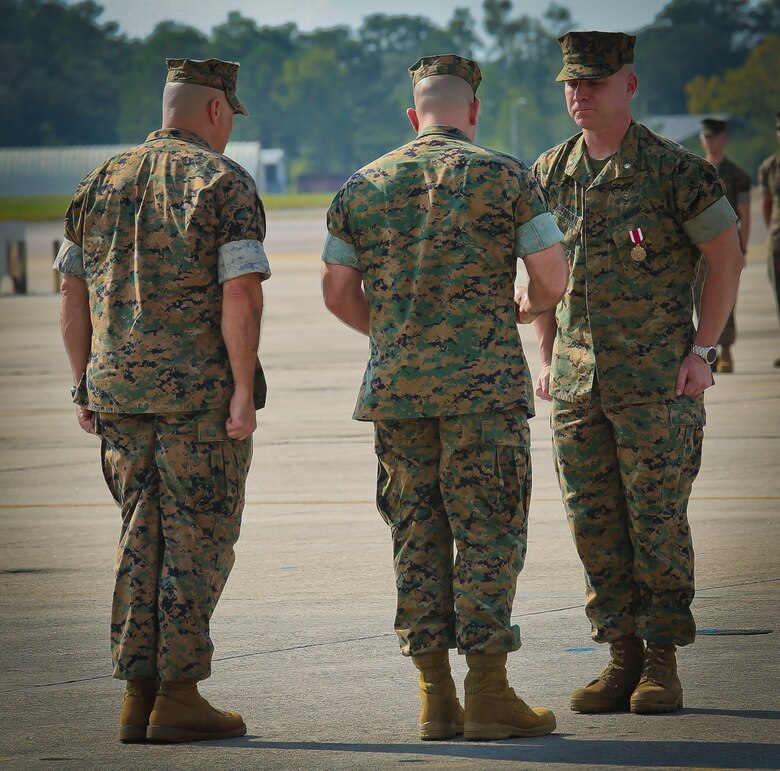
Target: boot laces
657	667
617	665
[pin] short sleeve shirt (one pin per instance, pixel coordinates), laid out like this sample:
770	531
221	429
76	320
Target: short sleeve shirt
737	182
631	235
769	179
435	227
153	232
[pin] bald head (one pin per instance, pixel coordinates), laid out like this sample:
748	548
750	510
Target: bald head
185	100
445	100
200	109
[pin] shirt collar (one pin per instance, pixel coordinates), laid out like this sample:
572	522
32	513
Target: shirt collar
448	131
622	164
182	134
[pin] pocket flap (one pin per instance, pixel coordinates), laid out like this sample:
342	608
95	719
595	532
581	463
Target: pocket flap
687	414
503	432
211	429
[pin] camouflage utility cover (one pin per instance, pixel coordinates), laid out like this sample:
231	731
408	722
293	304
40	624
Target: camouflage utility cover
212	73
150	226
628	314
446	64
592	55
432	226
769	179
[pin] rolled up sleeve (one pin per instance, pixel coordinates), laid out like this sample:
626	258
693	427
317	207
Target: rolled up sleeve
711	222
539	233
239	257
338	252
70	259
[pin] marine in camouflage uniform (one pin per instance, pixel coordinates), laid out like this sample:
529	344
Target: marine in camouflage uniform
769	179
432	232
154	233
627	442
714	135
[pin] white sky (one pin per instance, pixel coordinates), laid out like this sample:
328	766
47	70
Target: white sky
138	17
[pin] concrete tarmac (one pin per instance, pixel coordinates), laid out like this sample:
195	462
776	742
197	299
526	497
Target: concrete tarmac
303	634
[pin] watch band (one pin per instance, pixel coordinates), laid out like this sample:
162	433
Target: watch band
708	352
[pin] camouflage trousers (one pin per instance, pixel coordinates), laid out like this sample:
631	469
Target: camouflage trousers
462	481
179	483
729	334
626	475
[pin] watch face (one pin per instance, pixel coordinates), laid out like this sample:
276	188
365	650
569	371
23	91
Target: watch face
712	354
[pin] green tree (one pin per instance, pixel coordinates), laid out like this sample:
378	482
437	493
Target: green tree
58	67
140	86
688	38
751	92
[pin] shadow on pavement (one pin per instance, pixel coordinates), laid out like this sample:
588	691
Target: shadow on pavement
561	748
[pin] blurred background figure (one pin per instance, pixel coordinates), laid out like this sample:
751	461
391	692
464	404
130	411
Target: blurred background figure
769	179
714	137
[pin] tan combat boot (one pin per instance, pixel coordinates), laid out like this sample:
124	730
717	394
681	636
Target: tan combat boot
181	714
441	716
137	705
611	690
659	690
493	709
724	363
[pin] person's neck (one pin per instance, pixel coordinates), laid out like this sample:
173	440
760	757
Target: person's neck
442	120
715	158
602	144
191	126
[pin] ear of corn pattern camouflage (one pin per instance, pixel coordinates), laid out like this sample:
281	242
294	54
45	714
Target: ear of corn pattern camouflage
465	478
213	73
591	55
738	184
626	448
433	225
150	258
179	483
630	320
446	64
626	474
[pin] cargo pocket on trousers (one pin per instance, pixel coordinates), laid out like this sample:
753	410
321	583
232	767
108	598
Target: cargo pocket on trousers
683	455
205	481
387	494
508	440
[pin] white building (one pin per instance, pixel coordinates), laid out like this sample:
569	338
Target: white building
30	171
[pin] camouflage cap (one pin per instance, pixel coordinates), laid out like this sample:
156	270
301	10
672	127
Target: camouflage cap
213	73
446	64
591	55
712	126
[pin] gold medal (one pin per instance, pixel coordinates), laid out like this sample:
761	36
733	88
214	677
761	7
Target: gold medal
638	253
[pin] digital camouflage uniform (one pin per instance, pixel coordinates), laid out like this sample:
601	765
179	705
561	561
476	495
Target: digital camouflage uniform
154	232
436	227
738	184
769	179
625	448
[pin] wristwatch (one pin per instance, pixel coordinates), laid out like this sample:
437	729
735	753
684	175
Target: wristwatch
708	352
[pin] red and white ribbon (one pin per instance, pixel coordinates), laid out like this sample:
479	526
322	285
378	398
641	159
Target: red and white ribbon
636	236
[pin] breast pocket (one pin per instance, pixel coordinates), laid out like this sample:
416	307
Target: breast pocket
636	251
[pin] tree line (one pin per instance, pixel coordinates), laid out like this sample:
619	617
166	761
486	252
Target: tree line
334	98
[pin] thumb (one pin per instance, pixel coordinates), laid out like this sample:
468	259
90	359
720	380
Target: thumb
682	378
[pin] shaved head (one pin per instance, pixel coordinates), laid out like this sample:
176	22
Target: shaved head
185	100
445	100
442	93
205	111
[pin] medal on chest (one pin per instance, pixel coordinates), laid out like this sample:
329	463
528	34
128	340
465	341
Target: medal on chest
638	253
